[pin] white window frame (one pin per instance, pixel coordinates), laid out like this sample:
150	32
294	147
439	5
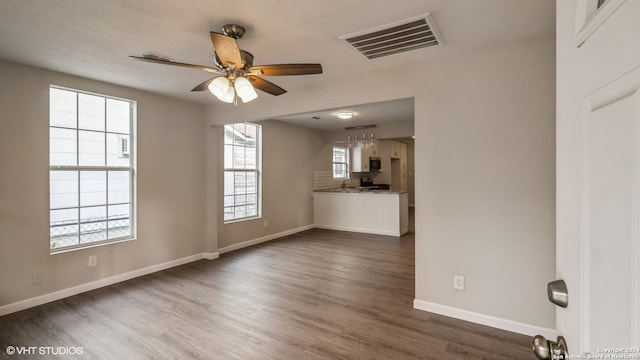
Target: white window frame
131	168
229	195
345	163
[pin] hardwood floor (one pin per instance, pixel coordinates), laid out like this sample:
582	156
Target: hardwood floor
319	294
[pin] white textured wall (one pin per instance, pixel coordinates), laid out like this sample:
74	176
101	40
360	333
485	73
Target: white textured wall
484	171
484	166
170	184
289	157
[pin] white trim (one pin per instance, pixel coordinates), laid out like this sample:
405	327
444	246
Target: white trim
75	290
210	255
67	249
590	22
259	240
257	170
492	321
585	233
612	91
635	247
362	230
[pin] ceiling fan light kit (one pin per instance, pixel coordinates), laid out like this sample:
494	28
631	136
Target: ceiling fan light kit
219	86
229	96
237	78
244	89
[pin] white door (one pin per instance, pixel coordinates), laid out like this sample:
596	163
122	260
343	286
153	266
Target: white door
598	176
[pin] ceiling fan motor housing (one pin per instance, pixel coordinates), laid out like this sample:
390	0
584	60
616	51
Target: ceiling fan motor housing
233	30
247	59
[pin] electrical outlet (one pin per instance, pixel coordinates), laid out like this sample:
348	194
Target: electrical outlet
266	224
36	278
458	282
93	260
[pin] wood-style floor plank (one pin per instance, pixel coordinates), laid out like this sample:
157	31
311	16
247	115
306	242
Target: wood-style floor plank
318	294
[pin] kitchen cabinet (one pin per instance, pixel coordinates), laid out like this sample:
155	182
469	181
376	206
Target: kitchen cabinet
403	181
403	167
359	159
399	166
374	150
396	149
386	150
360	155
403	157
372	213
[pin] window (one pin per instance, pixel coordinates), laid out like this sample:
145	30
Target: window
340	162
91	173
242	154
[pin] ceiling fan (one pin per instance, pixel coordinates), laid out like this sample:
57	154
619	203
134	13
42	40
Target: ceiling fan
237	77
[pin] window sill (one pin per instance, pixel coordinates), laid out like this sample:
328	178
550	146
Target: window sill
89	246
241	220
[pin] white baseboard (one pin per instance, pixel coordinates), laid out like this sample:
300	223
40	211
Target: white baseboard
210	255
259	240
492	321
360	230
75	290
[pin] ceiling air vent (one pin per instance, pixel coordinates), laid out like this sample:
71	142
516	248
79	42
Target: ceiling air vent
405	35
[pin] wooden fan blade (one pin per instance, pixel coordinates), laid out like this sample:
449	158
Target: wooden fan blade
266	86
227	49
160	60
286	69
203	86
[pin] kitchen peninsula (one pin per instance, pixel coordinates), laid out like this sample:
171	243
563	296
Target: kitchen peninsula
380	212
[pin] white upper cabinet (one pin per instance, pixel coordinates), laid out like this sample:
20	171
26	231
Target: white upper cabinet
403	157
396	149
360	158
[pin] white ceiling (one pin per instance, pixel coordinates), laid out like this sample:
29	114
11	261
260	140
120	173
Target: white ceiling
379	114
94	38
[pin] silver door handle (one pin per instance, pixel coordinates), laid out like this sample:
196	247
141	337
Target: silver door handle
550	350
557	293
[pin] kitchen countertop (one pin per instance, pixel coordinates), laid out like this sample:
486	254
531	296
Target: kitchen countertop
359	190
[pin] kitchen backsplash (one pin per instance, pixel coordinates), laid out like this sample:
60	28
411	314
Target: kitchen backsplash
323	179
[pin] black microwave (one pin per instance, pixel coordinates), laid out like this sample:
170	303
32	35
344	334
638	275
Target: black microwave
374	164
